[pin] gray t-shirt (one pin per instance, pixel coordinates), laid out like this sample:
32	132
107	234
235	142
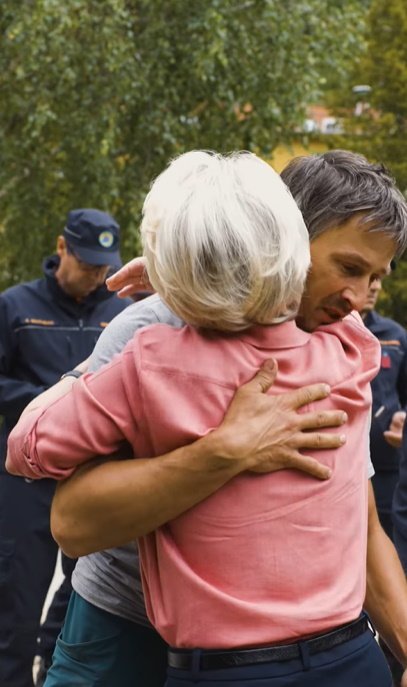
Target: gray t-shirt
111	579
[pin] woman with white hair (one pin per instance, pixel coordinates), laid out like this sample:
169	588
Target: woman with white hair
250	586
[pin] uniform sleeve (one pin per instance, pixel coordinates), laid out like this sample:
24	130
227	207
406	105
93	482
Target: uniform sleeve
15	394
94	418
402	377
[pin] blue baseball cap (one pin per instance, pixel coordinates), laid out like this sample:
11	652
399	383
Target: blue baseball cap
93	236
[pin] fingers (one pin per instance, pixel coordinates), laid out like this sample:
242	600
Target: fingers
322	418
133	273
306	395
127	291
292	460
263	380
319	440
397	422
394	439
311	466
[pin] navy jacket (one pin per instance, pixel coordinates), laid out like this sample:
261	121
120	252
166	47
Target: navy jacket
400	508
389	388
43	333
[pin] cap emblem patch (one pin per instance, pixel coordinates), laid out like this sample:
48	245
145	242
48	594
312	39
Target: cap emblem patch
106	239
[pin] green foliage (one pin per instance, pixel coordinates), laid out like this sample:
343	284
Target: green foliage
380	132
97	96
386	69
392	300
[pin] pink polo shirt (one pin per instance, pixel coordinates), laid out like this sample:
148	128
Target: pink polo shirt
269	557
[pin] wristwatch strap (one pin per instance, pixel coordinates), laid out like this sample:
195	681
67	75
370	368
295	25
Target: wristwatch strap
72	373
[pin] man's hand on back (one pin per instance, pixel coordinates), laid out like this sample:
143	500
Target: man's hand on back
269	433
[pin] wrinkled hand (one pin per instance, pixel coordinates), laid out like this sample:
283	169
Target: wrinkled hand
130	278
268	432
394	435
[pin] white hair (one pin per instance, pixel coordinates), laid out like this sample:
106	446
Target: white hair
225	243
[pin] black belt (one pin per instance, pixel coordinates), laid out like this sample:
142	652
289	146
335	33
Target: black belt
212	660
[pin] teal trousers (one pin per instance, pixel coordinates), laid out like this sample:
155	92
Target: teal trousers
99	649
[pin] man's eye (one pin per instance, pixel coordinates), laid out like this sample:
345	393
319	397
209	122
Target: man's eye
351	270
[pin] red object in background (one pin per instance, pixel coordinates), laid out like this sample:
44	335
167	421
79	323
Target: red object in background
386	361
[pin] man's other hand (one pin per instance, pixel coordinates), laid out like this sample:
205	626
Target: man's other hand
394	435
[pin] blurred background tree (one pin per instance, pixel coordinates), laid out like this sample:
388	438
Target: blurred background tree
97	96
372	104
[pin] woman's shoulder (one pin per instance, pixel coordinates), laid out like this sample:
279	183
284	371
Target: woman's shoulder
359	349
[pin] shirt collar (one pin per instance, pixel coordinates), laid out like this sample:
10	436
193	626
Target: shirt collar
285	335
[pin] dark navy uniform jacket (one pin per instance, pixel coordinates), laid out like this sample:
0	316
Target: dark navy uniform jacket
43	333
389	388
400	508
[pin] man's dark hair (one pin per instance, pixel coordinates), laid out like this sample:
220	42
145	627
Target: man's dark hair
330	188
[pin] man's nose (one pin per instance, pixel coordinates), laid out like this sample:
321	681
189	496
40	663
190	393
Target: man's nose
356	298
376	285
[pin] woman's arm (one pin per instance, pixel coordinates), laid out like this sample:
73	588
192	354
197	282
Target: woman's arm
70	423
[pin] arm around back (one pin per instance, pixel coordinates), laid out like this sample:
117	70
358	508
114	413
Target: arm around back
108	504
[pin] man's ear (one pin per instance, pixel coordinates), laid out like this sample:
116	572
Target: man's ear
61	246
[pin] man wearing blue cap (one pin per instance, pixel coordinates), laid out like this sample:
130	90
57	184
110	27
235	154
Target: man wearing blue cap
47	326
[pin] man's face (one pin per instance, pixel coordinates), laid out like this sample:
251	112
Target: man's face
345	262
372	296
78	279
